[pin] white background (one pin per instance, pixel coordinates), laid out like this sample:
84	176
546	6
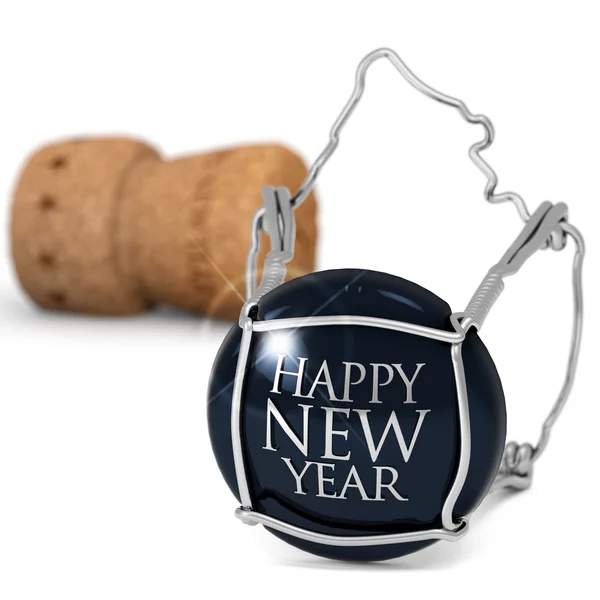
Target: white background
108	487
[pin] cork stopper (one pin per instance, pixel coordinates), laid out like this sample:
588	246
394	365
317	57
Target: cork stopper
106	226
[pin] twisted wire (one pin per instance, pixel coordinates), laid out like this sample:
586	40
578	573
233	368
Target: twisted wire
516	467
484	298
273	276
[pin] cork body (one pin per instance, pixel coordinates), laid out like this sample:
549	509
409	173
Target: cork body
106	226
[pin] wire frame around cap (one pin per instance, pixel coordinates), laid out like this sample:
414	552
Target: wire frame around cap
450	529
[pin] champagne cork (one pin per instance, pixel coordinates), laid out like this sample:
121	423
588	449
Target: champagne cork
106	226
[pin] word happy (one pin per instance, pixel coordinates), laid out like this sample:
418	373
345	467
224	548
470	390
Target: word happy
383	479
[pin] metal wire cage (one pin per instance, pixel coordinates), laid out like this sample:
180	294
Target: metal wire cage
450	529
547	227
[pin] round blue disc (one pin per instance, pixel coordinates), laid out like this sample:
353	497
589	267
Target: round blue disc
353	430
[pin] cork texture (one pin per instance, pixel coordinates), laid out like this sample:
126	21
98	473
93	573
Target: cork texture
106	226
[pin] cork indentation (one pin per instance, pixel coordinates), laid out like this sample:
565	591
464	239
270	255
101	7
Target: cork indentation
47	202
58	163
46	259
57	298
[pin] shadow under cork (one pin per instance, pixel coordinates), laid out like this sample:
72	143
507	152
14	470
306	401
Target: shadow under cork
16	310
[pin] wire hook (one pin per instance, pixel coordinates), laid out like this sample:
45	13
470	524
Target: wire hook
474	151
